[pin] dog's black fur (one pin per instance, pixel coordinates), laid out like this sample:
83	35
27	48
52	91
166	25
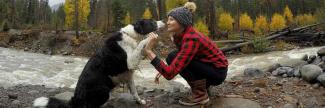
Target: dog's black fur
94	84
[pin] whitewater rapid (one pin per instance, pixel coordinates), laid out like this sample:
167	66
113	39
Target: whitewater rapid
19	67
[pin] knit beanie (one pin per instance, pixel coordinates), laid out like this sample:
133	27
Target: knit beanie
183	15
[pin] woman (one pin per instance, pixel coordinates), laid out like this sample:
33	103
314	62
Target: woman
197	60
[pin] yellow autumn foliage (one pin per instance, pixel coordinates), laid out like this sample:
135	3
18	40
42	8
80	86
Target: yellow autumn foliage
245	22
225	22
170	4
147	14
127	19
305	19
278	22
83	12
288	15
261	25
202	27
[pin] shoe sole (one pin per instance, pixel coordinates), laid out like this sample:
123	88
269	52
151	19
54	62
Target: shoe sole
192	104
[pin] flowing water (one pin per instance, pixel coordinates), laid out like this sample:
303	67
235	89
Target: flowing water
18	67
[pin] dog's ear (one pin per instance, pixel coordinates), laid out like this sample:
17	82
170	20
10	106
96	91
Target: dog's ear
138	26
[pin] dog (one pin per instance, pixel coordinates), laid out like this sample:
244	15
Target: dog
112	65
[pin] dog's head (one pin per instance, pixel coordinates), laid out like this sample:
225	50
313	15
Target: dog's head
143	27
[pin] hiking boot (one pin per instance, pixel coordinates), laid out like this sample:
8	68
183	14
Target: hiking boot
199	94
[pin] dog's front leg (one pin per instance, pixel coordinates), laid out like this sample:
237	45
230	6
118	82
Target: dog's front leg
134	56
134	91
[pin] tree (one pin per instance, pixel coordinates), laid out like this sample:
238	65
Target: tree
245	22
225	22
212	18
261	24
278	22
288	15
77	11
305	19
92	15
170	4
119	14
127	19
147	14
202	27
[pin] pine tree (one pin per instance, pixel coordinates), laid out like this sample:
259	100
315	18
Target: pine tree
147	14
225	22
119	14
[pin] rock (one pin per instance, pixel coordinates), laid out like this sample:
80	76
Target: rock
289	71
304	57
297	73
288	105
140	89
316	85
317	60
323	58
234	103
13	32
310	72
294	63
321	79
321	52
284	75
65	96
311	58
13	96
15	103
273	67
33	92
311	102
253	72
290	99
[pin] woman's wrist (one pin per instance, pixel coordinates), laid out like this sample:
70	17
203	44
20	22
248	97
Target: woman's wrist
151	55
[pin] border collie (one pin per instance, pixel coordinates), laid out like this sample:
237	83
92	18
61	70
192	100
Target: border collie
113	64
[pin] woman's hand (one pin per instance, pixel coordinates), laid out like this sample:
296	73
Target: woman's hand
151	43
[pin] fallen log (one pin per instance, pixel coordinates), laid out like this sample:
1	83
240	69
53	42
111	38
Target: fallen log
270	36
229	41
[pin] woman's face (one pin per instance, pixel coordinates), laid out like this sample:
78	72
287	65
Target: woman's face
173	25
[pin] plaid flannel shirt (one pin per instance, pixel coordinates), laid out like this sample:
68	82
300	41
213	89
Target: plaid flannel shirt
191	45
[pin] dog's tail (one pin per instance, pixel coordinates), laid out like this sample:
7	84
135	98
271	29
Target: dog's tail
44	102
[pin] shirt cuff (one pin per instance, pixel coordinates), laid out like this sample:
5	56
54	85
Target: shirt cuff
155	62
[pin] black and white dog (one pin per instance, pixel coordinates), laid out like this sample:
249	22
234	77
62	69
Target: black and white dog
113	64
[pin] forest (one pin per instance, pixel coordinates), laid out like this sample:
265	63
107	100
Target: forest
213	17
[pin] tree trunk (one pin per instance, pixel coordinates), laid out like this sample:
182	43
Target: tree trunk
159	10
212	18
76	18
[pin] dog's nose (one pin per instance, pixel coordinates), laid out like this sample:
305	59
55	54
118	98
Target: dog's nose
160	24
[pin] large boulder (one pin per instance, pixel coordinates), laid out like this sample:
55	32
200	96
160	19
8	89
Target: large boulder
321	52
294	63
310	72
65	96
289	71
321	79
253	72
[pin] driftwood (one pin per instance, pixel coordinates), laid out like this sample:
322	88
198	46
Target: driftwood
270	36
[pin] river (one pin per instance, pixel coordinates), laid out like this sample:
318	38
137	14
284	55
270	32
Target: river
19	67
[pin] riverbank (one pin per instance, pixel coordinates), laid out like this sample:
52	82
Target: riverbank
241	92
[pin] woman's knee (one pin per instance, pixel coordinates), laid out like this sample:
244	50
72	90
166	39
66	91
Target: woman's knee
171	56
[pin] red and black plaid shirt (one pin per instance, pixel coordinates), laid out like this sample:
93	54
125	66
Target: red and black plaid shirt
191	45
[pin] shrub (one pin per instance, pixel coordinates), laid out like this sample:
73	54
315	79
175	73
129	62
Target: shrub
225	22
5	26
305	19
202	27
260	44
245	22
278	22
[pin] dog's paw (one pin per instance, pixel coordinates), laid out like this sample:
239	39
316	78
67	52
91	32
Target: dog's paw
142	101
